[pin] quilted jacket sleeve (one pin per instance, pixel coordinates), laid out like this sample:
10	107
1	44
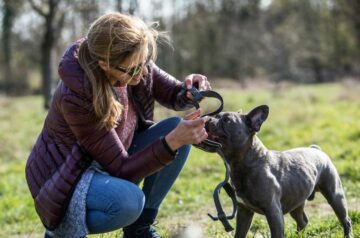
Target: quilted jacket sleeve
105	147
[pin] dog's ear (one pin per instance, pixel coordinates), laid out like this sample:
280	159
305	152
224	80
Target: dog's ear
256	117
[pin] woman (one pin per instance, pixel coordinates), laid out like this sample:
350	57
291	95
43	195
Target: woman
99	140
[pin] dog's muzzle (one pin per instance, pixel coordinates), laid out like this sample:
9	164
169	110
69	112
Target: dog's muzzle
209	145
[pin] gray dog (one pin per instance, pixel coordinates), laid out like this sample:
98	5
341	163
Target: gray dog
270	182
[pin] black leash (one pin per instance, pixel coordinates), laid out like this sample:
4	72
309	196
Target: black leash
214	147
199	95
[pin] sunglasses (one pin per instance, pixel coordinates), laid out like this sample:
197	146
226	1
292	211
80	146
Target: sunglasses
134	71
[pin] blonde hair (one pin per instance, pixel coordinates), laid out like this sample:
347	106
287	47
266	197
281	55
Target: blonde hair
113	38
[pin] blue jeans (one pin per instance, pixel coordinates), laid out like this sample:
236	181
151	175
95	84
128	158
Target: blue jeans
113	203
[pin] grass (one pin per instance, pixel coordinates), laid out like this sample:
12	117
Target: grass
326	115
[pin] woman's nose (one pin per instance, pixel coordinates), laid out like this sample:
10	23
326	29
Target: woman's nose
144	71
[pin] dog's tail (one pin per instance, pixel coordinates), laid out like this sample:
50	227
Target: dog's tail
315	147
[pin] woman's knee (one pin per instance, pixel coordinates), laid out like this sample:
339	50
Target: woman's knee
171	123
129	208
174	120
184	152
119	201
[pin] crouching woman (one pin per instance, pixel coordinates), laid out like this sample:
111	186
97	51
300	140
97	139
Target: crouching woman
98	141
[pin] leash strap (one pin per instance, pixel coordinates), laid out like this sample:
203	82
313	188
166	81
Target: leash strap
212	147
199	95
216	195
221	214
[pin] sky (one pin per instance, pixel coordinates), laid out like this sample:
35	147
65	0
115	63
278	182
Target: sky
168	6
146	10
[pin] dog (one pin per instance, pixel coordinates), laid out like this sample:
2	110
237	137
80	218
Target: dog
273	183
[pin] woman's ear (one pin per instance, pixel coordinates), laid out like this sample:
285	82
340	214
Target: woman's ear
104	66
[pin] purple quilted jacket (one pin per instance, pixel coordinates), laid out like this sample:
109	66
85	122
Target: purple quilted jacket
69	141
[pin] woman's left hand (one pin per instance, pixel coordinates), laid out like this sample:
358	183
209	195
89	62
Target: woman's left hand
198	79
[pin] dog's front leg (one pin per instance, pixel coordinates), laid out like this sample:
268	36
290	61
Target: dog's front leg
275	219
243	221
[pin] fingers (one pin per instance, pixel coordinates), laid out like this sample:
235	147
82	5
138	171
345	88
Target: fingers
200	135
208	86
193	115
189	95
189	81
203	135
198	122
195	119
192	130
201	80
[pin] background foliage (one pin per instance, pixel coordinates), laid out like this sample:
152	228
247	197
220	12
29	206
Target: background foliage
300	41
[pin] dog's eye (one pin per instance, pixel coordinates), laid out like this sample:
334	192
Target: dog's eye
226	120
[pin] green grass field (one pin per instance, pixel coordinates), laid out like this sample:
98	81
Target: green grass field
326	115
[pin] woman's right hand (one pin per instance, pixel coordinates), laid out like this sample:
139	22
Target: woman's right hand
191	130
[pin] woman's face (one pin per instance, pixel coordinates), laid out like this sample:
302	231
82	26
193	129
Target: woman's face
127	73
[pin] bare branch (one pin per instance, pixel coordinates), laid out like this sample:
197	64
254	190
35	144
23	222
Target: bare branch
37	8
60	25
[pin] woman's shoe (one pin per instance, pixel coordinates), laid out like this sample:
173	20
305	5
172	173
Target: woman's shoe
142	227
48	234
140	231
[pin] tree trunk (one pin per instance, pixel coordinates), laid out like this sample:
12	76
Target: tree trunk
47	72
119	5
51	33
46	53
133	6
8	18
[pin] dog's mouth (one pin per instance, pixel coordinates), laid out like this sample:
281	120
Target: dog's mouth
212	143
213	137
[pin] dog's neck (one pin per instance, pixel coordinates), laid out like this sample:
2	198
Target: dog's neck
258	149
253	148
243	161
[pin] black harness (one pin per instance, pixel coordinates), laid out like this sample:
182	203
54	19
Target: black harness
214	147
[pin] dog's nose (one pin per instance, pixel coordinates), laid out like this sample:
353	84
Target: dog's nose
207	123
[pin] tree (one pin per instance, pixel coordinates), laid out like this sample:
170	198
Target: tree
351	9
9	13
88	10
132	6
119	7
54	17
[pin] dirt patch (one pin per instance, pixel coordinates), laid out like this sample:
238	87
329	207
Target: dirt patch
351	89
324	209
